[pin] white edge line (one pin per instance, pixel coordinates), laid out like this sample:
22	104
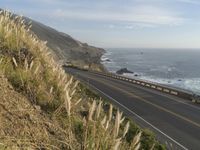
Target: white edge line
165	95
140	118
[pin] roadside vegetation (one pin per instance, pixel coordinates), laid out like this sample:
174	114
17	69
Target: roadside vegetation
82	118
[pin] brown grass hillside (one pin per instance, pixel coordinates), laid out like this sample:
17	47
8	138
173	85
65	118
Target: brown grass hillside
42	107
24	125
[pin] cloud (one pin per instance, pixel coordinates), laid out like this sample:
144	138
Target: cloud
111	26
190	1
139	26
149	15
129	26
138	13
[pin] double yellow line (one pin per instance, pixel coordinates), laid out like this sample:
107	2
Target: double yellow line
146	101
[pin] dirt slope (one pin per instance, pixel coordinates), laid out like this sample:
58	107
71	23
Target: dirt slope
23	125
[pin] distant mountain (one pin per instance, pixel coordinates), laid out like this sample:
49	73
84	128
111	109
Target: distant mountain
67	49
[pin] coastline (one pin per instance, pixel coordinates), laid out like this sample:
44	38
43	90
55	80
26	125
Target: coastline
185	83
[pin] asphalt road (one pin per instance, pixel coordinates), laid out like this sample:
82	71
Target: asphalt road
176	122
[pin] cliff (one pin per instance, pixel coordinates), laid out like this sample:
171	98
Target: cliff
67	49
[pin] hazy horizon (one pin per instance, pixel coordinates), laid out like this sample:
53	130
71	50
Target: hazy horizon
152	48
119	23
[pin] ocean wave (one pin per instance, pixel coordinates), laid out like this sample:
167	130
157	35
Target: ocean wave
191	84
163	68
103	58
108	53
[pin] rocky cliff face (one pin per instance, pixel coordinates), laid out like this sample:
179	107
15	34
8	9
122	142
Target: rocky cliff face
67	49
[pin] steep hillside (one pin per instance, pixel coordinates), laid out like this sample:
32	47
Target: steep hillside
42	107
24	125
67	49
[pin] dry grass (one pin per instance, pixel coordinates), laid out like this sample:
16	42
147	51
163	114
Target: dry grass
29	67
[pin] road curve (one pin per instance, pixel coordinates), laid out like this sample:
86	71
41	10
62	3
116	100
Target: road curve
176	122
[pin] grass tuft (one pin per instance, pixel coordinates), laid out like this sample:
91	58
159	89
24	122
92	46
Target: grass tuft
78	112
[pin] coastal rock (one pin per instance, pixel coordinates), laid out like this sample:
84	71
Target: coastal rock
136	75
123	70
108	60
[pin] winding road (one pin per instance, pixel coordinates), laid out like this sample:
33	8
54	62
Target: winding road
175	121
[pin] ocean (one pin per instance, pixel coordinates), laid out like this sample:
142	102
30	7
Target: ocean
174	67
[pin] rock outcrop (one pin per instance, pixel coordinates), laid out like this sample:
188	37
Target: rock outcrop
123	70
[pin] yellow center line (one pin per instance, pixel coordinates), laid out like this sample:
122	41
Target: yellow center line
146	101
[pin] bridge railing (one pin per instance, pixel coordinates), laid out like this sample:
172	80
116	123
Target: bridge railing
159	87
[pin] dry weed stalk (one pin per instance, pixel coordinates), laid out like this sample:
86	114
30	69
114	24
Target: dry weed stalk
14	61
117	124
77	102
1	60
137	146
104	120
126	129
98	111
117	144
152	148
110	115
91	110
68	103
136	141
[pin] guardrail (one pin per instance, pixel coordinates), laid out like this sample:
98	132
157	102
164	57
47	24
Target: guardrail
181	93
161	88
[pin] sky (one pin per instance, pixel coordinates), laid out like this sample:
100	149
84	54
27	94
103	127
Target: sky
118	23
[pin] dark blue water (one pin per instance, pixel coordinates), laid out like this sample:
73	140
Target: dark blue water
175	67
